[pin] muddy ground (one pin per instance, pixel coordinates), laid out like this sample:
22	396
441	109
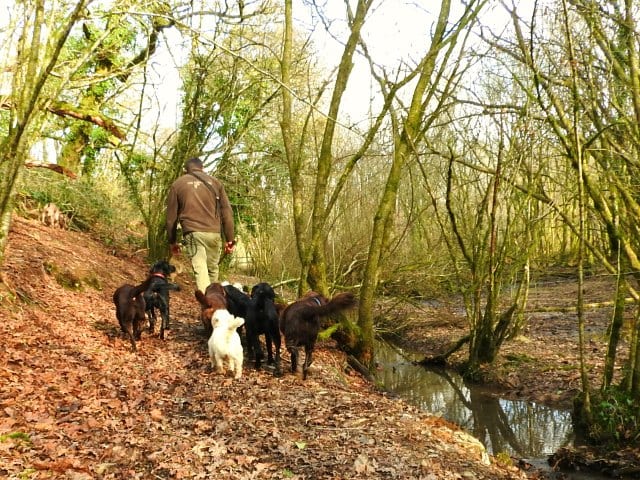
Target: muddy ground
541	364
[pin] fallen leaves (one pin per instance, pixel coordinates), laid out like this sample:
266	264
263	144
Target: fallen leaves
80	405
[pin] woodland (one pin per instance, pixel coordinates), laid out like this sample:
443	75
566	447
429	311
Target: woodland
497	144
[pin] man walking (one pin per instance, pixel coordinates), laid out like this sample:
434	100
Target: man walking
200	204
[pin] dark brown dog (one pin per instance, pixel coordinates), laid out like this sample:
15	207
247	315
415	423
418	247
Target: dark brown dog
214	298
300	323
130	309
156	297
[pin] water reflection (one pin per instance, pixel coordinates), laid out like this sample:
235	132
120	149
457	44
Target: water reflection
519	428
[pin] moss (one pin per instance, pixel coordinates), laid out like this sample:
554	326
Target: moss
73	280
519	358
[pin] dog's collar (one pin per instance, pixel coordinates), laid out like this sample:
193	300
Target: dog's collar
158	274
317	300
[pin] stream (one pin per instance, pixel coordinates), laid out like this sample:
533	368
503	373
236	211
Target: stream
519	428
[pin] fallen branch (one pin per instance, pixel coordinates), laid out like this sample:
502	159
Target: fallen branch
53	166
608	303
442	358
360	368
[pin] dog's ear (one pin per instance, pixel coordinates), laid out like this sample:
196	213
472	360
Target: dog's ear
201	298
271	292
214	319
237	322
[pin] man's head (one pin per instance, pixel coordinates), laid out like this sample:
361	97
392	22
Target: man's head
193	164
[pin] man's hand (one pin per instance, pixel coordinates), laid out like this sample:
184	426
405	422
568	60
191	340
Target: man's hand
175	249
228	247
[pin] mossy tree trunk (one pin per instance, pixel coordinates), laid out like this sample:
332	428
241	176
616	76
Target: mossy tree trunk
39	46
410	130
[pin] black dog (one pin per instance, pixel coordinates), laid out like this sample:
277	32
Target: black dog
237	300
130	308
260	318
237	303
156	297
300	323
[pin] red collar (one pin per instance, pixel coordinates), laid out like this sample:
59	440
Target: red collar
158	274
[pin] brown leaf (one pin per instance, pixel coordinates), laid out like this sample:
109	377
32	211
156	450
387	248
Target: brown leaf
156	414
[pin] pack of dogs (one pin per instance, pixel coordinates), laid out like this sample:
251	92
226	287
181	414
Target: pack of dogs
233	320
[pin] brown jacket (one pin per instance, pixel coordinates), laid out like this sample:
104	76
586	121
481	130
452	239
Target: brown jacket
192	204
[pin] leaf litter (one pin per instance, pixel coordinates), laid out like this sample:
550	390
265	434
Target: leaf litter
76	403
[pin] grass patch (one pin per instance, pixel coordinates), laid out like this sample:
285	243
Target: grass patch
20	437
519	358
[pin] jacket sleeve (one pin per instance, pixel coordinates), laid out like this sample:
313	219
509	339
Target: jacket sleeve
172	215
226	215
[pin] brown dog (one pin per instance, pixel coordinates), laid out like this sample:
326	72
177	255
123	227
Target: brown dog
130	309
300	323
214	298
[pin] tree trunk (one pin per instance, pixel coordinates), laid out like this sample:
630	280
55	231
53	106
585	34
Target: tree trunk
635	359
614	331
576	154
33	67
313	263
405	143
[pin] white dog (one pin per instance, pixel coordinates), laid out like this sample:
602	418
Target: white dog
224	343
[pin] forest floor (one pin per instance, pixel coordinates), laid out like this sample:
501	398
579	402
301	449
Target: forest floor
542	363
76	403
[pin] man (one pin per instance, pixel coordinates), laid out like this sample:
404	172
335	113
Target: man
200	204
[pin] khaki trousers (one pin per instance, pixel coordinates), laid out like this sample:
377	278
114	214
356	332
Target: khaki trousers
203	248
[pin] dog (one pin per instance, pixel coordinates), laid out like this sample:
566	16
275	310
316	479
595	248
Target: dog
300	323
156	297
224	342
130	309
237	300
52	216
260	318
263	319
214	298
237	303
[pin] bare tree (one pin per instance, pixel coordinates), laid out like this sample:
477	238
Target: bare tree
433	80
40	36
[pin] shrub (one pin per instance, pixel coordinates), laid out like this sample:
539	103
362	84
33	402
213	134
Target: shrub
100	208
616	418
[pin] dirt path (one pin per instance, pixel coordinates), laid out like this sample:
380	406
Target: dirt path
76	403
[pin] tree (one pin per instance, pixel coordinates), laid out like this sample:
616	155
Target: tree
590	105
40	35
311	245
108	39
430	73
222	98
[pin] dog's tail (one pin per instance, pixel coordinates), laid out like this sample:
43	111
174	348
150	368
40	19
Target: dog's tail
144	286
203	300
340	302
165	287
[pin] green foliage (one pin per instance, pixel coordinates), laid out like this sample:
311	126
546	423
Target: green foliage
616	418
21	436
327	332
504	459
